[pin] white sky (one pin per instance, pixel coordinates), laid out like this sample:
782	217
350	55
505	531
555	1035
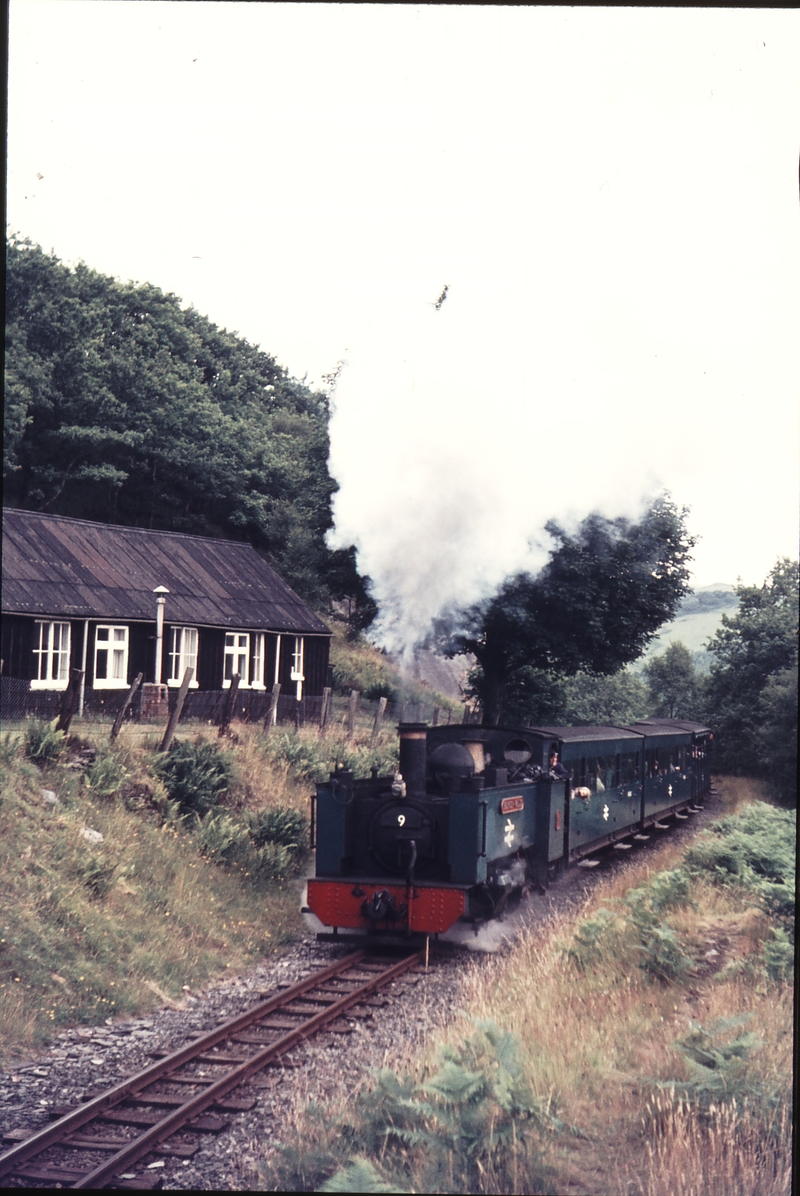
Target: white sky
610	194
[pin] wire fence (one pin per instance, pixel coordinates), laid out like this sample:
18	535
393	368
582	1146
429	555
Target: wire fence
19	702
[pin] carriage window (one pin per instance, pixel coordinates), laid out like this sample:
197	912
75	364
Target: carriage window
577	772
629	768
667	760
651	762
605	773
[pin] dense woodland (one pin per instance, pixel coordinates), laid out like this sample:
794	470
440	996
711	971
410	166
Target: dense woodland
123	406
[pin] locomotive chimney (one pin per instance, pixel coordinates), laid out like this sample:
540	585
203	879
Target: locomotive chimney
413	756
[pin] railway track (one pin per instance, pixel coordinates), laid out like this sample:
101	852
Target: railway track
162	1109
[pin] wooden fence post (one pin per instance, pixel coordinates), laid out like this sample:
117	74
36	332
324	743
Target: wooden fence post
272	710
121	712
176	713
325	711
227	709
352	712
376	726
69	700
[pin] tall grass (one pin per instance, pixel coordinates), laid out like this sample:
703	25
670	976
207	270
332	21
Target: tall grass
731	1154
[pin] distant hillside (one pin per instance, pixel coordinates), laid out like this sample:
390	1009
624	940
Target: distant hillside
699	617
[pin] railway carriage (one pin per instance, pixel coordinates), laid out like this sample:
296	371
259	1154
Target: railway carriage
475	817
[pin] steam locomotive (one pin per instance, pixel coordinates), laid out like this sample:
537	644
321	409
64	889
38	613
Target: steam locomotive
478	816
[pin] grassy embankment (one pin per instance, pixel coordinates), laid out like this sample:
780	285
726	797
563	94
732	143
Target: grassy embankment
169	898
640	1048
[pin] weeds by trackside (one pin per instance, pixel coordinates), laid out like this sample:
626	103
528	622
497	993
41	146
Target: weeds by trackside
129	873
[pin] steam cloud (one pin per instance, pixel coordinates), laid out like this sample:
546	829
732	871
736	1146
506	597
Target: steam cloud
451	456
451	460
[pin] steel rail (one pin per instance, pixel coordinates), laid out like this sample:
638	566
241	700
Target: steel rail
11	1161
78	1117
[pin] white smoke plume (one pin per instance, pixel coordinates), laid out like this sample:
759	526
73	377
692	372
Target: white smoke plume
452	452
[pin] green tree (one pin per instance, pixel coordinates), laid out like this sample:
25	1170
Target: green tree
776	732
532	697
673	683
351	591
613	701
123	406
595	606
752	691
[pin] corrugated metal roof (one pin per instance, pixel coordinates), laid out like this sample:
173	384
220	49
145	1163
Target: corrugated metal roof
54	565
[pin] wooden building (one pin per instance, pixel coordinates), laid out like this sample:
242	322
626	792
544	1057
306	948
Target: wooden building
81	595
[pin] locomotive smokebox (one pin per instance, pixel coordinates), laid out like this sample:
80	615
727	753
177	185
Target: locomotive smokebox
413	756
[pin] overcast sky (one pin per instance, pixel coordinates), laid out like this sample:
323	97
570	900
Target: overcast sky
611	197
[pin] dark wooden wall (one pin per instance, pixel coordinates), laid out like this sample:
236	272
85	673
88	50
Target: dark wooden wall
17	646
17	654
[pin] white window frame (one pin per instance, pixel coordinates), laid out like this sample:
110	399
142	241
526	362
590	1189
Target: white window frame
114	643
297	673
52	655
239	650
182	655
259	660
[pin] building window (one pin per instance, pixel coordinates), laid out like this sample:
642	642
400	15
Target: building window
257	679
237	650
51	656
182	655
111	658
297	665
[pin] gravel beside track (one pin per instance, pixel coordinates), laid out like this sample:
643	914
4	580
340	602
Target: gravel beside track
331	1065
